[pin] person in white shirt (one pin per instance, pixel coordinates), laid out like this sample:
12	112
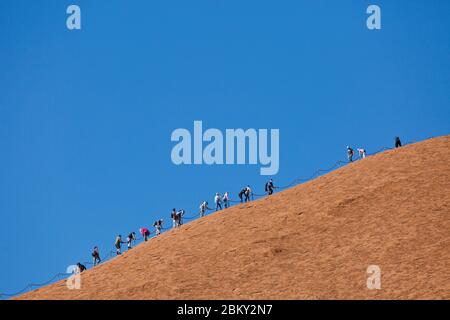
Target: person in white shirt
203	208
118	244
174	216
247	193
218	201
226	200
362	153
180	215
158	226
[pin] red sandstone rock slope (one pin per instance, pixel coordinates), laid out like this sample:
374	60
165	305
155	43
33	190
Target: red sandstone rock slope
314	241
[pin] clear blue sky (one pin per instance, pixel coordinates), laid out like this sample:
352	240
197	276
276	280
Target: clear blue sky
86	116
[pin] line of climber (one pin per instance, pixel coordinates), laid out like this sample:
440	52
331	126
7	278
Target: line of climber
245	195
177	216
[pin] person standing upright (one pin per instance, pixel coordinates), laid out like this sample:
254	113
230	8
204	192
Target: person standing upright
269	187
118	244
398	143
226	200
350	154
218	202
96	256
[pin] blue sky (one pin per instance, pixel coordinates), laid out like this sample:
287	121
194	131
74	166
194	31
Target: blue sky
86	115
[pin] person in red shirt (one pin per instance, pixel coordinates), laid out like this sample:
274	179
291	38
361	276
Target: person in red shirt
145	233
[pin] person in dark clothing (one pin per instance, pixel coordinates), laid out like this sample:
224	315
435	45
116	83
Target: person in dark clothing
269	187
241	194
131	237
96	256
81	267
247	193
398	143
350	154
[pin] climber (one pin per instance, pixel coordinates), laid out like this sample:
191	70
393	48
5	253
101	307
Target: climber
269	187
180	215
131	237
96	256
362	153
80	268
398	143
158	226
203	208
226	200
118	244
350	154
248	193
174	216
241	194
218	201
145	233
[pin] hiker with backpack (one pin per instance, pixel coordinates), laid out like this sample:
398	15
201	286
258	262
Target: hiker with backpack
118	244
269	187
131	237
96	256
350	154
145	233
218	201
158	226
398	143
226	200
